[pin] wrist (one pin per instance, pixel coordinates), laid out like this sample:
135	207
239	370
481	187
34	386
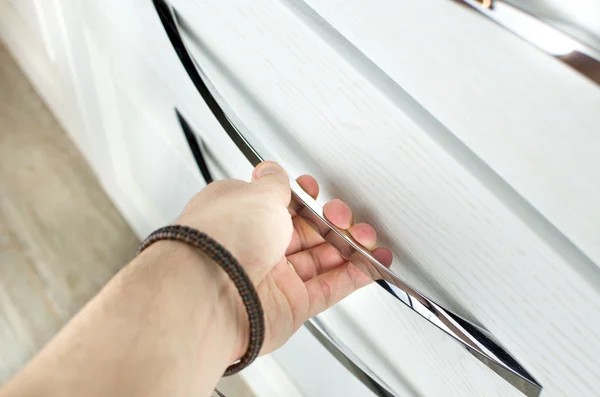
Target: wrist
233	317
219	313
228	311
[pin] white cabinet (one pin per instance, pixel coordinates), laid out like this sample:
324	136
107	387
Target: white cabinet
478	173
472	153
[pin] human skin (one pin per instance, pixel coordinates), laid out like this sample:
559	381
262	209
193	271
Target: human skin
170	322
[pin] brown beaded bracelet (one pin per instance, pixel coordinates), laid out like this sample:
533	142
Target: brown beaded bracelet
230	265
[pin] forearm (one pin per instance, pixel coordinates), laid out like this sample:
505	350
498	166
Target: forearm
165	325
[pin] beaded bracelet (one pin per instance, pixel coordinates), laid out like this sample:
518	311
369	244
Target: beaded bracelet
230	265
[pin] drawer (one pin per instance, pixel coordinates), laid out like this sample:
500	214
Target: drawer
532	120
159	174
151	180
144	61
472	153
134	66
462	232
297	358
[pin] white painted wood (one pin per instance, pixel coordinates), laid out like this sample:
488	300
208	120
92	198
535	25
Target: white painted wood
161	176
69	53
530	118
149	172
314	370
303	88
134	72
267	378
136	211
144	59
462	243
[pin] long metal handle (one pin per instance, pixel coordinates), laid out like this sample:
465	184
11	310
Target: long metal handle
352	363
582	57
195	148
477	340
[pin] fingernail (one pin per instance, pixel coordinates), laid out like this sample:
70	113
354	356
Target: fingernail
267	168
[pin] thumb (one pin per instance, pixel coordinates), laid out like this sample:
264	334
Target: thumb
274	179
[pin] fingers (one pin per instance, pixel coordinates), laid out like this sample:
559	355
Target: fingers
272	177
383	255
364	234
309	184
311	262
322	258
308	251
338	213
329	288
306	234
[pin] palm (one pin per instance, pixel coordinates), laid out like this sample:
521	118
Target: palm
318	276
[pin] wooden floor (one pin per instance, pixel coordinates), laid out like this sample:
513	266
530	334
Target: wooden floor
61	238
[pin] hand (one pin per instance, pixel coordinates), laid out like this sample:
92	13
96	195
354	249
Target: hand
253	222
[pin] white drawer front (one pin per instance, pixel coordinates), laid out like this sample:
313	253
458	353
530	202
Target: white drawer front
528	117
144	60
483	183
153	181
462	241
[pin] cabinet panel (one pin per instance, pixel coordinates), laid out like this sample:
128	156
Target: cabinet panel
521	121
158	171
455	238
148	66
152	183
298	81
298	358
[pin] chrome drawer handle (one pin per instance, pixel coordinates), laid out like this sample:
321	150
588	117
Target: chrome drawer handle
476	339
195	147
584	58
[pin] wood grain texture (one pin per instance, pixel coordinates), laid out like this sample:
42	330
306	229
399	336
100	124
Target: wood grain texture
531	119
460	243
